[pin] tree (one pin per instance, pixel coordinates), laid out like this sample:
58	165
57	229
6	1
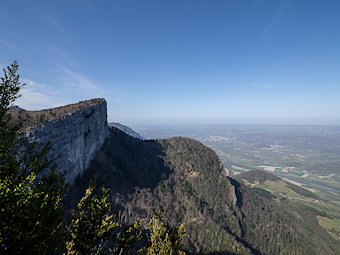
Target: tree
163	239
31	211
92	224
30	205
94	230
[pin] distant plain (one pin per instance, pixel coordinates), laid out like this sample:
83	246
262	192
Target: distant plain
307	156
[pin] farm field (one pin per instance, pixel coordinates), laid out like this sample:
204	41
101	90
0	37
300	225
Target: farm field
306	156
309	156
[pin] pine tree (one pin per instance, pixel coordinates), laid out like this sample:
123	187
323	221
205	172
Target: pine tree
30	205
31	211
163	239
92	224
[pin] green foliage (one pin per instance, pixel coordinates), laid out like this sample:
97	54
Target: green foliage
93	230
92	224
30	215
127	239
30	208
189	183
164	240
9	87
31	219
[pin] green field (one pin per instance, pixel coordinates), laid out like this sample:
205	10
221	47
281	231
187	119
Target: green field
331	225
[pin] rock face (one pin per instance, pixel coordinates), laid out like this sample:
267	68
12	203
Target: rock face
75	137
127	130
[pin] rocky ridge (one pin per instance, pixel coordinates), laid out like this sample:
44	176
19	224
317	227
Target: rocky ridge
183	178
76	133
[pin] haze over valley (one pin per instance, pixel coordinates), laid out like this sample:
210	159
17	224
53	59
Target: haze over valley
170	127
306	154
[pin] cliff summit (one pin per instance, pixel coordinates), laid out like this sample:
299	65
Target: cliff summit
76	132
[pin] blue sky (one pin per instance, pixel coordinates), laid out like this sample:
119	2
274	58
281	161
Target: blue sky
264	61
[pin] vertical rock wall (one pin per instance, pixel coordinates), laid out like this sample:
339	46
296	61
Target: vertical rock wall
75	138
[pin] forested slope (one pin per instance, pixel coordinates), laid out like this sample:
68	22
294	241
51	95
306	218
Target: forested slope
187	181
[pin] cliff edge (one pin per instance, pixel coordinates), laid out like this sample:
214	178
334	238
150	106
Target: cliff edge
76	132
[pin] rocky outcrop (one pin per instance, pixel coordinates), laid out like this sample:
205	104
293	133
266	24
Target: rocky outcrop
76	136
127	130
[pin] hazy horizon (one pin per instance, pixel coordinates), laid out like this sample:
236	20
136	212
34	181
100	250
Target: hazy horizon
274	122
233	62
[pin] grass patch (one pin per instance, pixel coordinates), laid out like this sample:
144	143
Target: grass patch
332	226
296	174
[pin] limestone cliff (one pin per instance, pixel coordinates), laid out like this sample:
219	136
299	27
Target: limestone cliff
76	134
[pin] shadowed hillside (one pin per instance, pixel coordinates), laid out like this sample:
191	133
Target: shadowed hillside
187	181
